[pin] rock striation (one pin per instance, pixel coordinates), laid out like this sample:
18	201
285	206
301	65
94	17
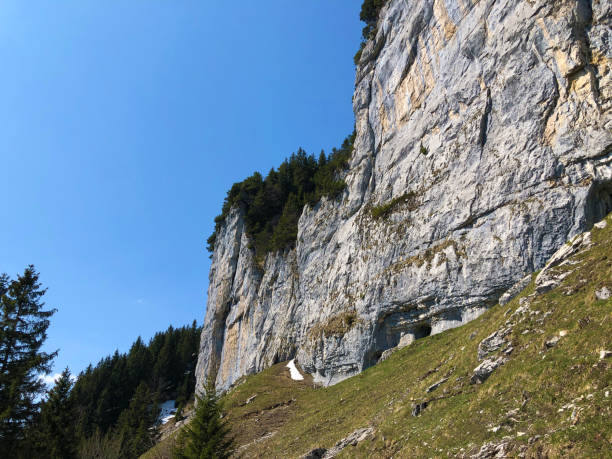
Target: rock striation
491	119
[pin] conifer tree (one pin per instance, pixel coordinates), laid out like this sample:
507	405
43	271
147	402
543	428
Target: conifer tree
207	435
134	422
23	330
55	435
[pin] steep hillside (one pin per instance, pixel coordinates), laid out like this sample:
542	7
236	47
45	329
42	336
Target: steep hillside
482	144
550	396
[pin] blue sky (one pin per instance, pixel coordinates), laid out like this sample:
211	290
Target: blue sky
123	125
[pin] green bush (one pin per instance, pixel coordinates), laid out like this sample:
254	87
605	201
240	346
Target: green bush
423	150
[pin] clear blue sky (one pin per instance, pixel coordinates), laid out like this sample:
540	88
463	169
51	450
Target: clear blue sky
123	125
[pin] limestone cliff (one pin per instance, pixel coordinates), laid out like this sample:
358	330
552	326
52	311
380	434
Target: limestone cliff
490	121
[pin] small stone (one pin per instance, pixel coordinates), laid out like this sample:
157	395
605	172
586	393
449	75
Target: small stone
552	342
316	453
563	333
417	408
603	354
484	370
601	225
602	294
607	393
435	385
386	354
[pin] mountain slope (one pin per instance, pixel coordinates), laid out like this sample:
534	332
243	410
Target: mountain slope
551	398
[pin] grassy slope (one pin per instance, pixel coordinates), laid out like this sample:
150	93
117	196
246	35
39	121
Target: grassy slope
536	382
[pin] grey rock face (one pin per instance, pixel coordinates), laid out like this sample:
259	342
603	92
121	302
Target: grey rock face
511	103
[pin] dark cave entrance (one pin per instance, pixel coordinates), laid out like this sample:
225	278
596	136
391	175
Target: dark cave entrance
422	331
599	203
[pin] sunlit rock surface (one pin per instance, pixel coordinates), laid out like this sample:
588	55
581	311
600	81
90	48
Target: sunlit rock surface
495	117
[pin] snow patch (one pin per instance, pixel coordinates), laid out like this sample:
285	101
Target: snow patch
295	373
167	411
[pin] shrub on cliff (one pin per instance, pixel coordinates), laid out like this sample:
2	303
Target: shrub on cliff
369	14
370	9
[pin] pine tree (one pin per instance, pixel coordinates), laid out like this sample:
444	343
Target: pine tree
207	435
55	434
134	422
23	330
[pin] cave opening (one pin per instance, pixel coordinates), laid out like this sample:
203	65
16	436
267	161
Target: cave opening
422	331
599	203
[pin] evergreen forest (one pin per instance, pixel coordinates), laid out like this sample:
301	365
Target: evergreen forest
111	409
115	401
272	205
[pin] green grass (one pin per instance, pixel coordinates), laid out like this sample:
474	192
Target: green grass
536	382
384	210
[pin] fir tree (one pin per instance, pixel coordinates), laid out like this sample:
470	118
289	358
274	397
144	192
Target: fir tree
23	330
134	423
55	436
207	435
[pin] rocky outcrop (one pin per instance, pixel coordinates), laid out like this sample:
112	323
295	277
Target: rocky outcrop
351	440
484	370
494	117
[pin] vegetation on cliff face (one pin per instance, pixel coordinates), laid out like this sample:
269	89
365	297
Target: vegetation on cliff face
551	398
370	9
272	205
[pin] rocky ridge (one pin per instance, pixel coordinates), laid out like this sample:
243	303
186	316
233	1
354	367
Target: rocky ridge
492	119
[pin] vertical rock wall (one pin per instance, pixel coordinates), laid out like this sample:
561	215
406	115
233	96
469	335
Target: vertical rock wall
491	119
